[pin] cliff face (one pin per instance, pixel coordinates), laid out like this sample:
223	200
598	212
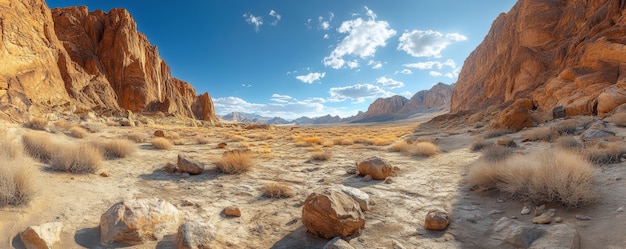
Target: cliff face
555	52
438	97
384	106
94	60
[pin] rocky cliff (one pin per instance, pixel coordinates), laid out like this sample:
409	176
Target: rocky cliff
384	106
438	97
87	60
555	52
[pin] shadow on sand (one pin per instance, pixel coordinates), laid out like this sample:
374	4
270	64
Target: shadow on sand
299	238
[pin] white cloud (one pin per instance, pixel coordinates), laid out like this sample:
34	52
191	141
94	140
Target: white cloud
326	36
427	43
280	98
362	40
407	94
435	68
357	92
246	85
405	71
274	14
377	66
311	77
256	21
435	74
290	109
389	82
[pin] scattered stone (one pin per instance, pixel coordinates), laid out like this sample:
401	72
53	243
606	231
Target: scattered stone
137	221
330	214
104	174
196	235
221	145
436	220
597	130
514	217
187	203
43	236
232	211
558	220
359	196
185	175
511	233
539	209
545	218
619	177
388	181
375	166
170	168
494	212
159	133
582	217
186	165
620	209
352	171
337	243
499	200
525	210
367	178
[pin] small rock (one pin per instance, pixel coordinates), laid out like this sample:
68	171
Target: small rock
388	181
186	165
495	211
500	200
620	209
619	177
186	203
582	217
378	167
558	220
159	133
221	145
321	180
43	236
352	171
525	210
104	174
367	178
196	235
514	217
397	245
545	218
170	168
330	213
337	243
232	211
436	220
539	209
185	175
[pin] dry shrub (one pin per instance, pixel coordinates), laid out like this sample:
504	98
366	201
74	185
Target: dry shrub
343	141
235	138
116	148
277	190
568	126
542	176
381	141
363	140
321	155
328	143
496	153
568	142
78	132
426	149
312	140
172	135
178	141
497	133
605	153
618	119
93	127
38	145
235	162
37	124
80	159
541	133
161	143
17	185
507	142
138	137
202	139
399	146
480	144
9	150
62	124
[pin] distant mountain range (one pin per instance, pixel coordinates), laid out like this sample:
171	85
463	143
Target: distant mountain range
381	110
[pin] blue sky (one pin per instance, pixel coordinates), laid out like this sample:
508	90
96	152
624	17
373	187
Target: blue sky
310	58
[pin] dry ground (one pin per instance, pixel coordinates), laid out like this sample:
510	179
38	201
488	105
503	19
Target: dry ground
283	155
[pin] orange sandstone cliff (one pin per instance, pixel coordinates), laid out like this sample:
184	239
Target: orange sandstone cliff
89	60
557	53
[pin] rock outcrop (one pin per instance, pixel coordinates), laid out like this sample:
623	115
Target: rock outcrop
438	97
75	59
43	236
384	106
556	53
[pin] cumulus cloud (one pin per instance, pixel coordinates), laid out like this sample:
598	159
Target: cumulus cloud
389	82
311	77
291	108
253	20
280	98
362	40
357	92
435	68
427	43
404	71
407	94
277	17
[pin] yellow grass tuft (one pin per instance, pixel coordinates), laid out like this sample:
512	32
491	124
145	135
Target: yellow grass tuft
540	133
399	146
161	143
202	139
235	162
321	155
605	153
78	132
17	184
277	190
37	124
172	135
80	159
62	124
343	141
568	126
116	148
38	145
138	137
543	176
426	149
9	150
481	144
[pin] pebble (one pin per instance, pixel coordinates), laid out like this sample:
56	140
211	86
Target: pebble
495	211
558	219
367	178
618	178
500	200
352	171
514	217
620	209
582	217
525	210
388	181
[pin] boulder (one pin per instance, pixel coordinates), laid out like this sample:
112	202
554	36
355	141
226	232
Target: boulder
359	196
222	145
515	117
186	165
595	131
196	235
375	166
436	220
509	233
545	217
137	221
558	112
43	236
337	243
232	211
159	133
330	213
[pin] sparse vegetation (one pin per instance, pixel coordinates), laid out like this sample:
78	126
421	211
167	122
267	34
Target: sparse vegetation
497	133
62	124
78	132
179	142
17	185
544	176
277	190
343	141
80	159
38	146
568	142
9	150
161	143
426	149
324	155
540	133
235	162
399	146
116	148
37	124
172	135
605	153
480	144
138	137
202	139
568	126
507	141
496	153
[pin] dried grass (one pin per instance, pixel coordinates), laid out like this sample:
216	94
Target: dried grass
426	149
343	141
542	176
277	190
496	153
9	150
78	132
37	124
235	162
568	142
17	183
568	126
161	143
605	153
138	137
321	155
116	148
399	146
39	146
497	133
541	133
79	159
202	139
481	144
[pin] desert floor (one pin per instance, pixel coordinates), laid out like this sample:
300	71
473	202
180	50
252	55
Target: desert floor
283	155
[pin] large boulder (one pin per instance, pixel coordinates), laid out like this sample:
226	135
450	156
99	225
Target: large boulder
187	165
43	236
509	233
138	221
359	196
375	166
196	235
331	213
516	116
